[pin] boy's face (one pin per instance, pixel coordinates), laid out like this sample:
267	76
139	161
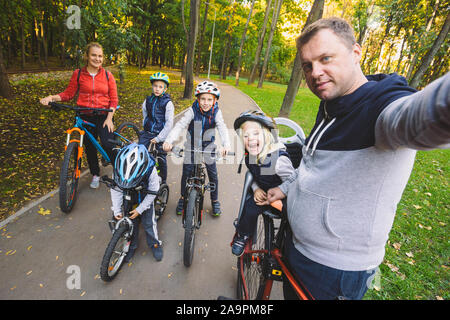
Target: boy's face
206	101
253	137
158	87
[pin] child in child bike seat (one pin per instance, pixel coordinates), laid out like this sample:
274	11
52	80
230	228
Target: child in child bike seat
269	163
135	167
201	120
158	112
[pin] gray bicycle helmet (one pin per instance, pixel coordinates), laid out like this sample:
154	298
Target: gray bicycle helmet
255	115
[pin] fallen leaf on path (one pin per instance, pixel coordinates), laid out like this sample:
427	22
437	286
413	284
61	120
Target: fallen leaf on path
44	212
83	293
29	272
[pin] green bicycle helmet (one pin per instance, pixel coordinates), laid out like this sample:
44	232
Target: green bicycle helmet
160	77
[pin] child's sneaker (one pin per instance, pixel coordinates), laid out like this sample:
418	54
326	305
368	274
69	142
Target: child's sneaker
239	244
179	209
216	208
157	252
95	182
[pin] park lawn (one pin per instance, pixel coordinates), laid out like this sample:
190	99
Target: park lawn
416	264
32	136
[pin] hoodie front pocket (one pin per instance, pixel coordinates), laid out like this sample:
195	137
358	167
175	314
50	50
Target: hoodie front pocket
309	220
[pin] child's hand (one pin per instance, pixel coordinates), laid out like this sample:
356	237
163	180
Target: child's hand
224	151
118	217
275	194
167	146
134	214
260	197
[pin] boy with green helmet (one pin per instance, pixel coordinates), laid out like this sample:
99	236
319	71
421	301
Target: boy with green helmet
158	113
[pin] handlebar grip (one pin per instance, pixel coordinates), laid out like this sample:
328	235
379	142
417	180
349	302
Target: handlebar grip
231	153
116	142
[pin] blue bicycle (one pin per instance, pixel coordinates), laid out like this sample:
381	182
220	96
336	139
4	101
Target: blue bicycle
71	166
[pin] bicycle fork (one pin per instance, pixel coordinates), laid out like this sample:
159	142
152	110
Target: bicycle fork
80	148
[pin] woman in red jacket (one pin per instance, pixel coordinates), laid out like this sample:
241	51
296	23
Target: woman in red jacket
96	88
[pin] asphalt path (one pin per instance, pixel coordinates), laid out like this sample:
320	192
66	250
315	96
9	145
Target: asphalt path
46	254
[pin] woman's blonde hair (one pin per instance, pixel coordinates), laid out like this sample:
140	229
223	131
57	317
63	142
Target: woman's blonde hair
88	48
270	143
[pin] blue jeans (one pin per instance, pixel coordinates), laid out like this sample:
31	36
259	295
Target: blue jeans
149	223
324	283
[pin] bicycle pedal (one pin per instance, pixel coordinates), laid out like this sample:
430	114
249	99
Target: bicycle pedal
211	187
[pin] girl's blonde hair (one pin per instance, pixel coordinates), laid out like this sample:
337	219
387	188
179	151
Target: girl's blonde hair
88	48
270	143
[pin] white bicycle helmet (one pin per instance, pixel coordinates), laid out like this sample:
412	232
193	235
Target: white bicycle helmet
207	87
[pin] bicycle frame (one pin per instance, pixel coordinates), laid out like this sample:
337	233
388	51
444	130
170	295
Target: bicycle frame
271	269
79	127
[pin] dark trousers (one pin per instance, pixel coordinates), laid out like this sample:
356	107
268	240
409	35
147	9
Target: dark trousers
324	283
211	168
250	213
147	218
105	135
145	138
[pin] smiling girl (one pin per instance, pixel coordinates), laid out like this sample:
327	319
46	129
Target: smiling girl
269	163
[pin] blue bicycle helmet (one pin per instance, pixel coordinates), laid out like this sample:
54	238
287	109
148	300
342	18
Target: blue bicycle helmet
133	164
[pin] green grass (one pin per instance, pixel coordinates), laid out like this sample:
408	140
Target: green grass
416	264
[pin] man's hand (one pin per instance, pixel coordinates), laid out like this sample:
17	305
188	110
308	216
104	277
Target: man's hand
275	194
134	214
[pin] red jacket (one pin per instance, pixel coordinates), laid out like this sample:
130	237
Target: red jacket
95	92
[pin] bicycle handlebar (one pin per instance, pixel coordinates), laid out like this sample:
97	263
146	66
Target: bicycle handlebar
179	151
58	106
111	183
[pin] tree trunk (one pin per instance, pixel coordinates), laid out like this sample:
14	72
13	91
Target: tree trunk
5	88
223	69
428	58
242	43
200	42
183	67
252	76
416	54
193	29
276	13
297	74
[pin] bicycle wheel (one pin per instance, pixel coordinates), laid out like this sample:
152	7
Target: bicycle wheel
128	132
250	276
68	180
161	200
115	253
191	217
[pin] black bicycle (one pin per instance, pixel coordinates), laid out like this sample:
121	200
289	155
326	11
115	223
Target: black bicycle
122	230
196	187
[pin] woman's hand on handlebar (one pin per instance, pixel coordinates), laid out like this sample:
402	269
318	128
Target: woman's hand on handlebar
45	101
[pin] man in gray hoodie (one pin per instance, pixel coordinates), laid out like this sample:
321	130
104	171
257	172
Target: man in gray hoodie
342	199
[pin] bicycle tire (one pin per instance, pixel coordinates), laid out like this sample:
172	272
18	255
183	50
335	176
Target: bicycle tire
115	253
161	200
190	226
68	182
129	131
250	272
